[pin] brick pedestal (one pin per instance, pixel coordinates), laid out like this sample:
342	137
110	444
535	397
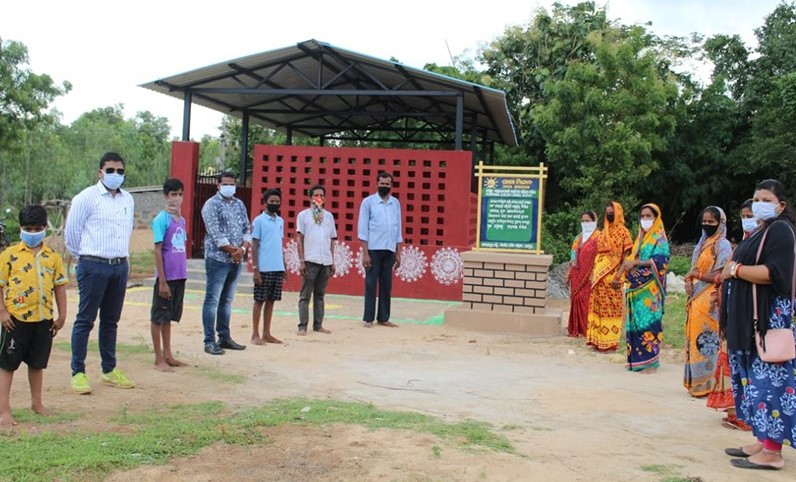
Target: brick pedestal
505	292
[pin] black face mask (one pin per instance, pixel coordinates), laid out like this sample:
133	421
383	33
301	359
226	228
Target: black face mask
710	229
383	191
610	217
272	208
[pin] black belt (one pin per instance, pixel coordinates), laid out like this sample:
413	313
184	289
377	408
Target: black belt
97	259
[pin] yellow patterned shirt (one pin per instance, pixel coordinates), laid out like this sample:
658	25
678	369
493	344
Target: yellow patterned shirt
29	281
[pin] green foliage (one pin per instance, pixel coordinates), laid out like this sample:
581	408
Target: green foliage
679	265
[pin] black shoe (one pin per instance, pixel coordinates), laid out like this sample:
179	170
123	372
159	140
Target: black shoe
231	345
213	349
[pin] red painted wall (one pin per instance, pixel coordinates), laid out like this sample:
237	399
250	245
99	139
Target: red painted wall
185	167
432	186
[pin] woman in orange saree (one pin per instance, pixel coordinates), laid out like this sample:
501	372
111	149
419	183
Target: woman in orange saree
702	314
605	301
584	250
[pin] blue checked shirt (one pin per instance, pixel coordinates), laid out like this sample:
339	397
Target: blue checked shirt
380	223
226	223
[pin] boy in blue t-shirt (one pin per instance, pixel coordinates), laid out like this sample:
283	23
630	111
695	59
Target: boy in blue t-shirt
269	265
171	264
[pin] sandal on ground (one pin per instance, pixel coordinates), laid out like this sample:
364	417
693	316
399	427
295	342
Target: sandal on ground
737	452
748	464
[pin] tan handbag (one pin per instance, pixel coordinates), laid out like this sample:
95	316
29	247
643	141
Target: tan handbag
779	344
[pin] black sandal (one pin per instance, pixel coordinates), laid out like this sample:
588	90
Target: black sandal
748	464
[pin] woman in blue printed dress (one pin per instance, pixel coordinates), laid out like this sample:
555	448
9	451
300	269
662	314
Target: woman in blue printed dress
765	393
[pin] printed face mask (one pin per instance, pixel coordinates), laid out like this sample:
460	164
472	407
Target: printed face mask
317	200
227	191
749	224
710	229
646	224
112	181
32	240
764	210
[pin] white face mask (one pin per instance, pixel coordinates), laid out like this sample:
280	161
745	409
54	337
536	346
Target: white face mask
588	228
646	224
764	210
749	224
227	191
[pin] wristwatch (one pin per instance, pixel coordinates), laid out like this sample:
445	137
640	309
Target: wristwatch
733	269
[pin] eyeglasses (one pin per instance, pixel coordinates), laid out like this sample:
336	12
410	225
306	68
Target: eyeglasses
111	170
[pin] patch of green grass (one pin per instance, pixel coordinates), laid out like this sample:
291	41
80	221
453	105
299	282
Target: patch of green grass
149	438
157	435
217	375
121	348
670	473
142	264
437	451
674	321
310	412
27	416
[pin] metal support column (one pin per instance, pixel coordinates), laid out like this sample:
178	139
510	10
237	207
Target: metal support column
459	120
289	136
186	115
244	148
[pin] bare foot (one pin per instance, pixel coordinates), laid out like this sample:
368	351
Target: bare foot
173	362
302	332
271	339
647	371
6	420
41	410
389	324
771	459
322	330
256	340
752	449
163	367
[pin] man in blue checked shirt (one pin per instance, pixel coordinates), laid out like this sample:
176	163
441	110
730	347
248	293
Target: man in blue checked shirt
228	238
380	234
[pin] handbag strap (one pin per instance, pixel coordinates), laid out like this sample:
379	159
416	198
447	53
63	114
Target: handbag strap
793	277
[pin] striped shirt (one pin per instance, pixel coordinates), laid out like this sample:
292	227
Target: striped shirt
100	224
380	223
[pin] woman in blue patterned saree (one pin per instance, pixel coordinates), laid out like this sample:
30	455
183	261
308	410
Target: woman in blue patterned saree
645	272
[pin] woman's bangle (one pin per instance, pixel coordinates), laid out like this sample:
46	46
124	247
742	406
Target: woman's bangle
738	270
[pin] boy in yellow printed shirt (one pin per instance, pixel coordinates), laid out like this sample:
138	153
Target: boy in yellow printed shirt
31	275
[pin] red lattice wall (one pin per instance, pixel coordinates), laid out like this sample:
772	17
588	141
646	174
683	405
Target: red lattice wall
432	186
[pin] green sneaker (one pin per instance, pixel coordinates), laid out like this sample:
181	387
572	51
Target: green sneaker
116	378
80	384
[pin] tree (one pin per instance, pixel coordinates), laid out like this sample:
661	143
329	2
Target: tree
24	99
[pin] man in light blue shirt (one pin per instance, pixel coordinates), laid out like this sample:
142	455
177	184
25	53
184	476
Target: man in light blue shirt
380	234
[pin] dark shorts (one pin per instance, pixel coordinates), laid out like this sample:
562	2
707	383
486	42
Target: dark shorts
271	287
168	310
29	342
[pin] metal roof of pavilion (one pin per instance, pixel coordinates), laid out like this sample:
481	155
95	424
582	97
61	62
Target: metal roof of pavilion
318	90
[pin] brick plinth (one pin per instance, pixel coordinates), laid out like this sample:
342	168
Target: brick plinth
505	292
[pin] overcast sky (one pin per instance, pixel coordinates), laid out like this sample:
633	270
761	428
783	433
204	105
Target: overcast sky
107	48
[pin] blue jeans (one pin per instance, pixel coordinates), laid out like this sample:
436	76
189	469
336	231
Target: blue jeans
222	279
380	272
101	288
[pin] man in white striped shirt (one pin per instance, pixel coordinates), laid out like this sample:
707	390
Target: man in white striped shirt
97	233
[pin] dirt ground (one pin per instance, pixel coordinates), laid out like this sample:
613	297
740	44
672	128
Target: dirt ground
572	414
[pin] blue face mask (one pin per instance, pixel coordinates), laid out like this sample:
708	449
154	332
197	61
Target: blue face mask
764	210
749	224
113	181
227	191
32	240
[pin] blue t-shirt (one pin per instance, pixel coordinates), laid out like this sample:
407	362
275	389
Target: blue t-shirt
269	230
171	232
